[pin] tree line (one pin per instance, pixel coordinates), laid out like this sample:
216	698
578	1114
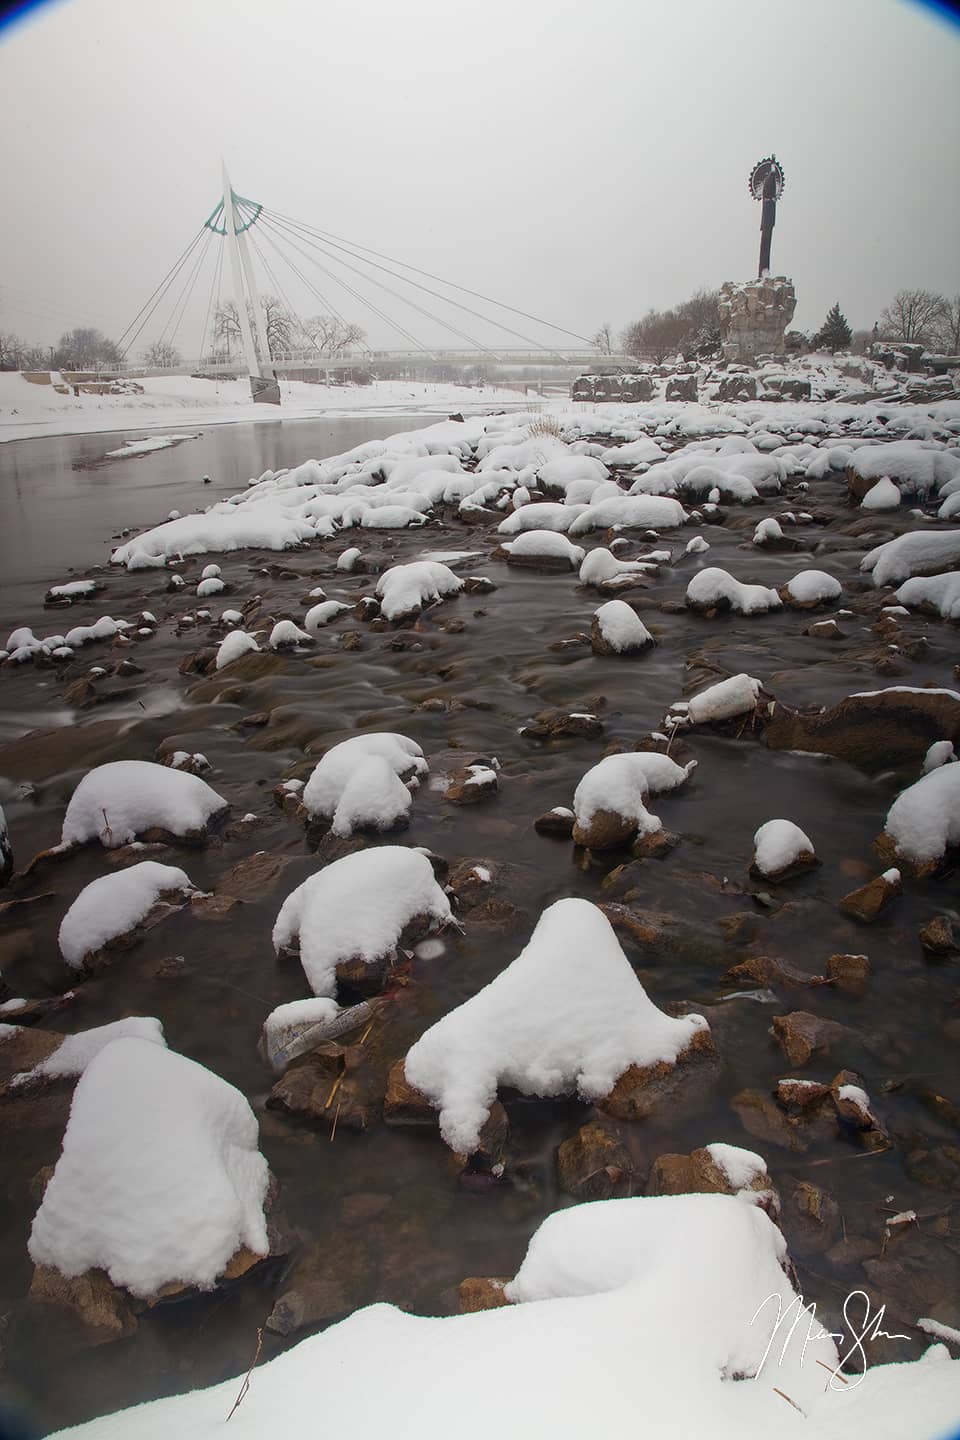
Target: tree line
692	329
86	348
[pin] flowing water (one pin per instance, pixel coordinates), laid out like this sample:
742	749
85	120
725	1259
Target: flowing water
382	1212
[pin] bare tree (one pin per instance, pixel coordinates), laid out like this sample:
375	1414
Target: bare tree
659	334
11	351
912	317
280	323
161	355
603	339
947	336
331	336
85	349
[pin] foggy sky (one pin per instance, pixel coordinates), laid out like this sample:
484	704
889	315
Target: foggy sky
583	161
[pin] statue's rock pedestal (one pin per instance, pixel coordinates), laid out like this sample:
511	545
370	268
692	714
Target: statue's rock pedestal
754	315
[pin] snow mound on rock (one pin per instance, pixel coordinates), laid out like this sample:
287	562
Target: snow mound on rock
546	544
621	784
917	553
319	615
601	564
884	495
725	700
546	516
934	592
779	844
286	634
232	646
568	1015
224	527
119	801
925	818
374	798
76	1052
338	767
357	908
621	627
916	467
405	589
112	905
647	512
810	587
715	587
160	1179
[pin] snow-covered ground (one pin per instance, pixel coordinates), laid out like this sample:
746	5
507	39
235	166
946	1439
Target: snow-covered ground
27	410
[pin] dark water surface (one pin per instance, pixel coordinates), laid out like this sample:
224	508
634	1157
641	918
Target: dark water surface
382	1213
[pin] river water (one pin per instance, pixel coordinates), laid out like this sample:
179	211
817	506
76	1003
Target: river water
381	1214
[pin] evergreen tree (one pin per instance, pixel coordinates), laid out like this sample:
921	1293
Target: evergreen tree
836	333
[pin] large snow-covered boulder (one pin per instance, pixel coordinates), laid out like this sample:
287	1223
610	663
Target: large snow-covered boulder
543	549
405	589
110	908
919	552
546	516
609	801
618	630
160	1180
117	802
348	920
568	1016
71	1056
630	512
924	821
912	464
939	593
364	782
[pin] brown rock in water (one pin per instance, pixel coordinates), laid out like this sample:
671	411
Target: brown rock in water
605	830
470	881
549	564
824	630
562	724
855	1117
850	972
761	1118
797	1096
98	1310
212	907
799	865
938	938
889	727
635	928
699	1174
656	846
594	1164
201	662
488	1158
403	1104
642	1088
558	821
938	1167
252	877
318	1086
472	784
811	1217
22	1051
866	903
363	977
802	1035
481	1293
308	1304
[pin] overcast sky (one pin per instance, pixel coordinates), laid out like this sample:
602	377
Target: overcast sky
583	161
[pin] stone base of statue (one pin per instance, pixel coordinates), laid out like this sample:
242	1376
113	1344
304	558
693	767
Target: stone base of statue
754	314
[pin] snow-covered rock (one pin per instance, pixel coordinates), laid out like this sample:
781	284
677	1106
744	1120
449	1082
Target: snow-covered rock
915	467
630	512
111	906
781	849
546	516
716	589
342	767
941	752
618	630
811	588
767	532
919	552
537	546
320	615
609	801
728	698
356	911
232	646
567	1016
925	818
601	566
940	593
884	495
160	1179
75	1052
119	801
285	635
405	589
213	585
222	528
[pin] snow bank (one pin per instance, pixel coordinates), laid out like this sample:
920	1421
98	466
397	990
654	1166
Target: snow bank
778	844
159	1180
115	904
119	801
357	909
75	1053
222	528
714	587
925	818
405	589
343	763
568	1015
918	468
916	553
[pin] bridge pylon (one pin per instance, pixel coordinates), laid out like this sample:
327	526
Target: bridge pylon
264	386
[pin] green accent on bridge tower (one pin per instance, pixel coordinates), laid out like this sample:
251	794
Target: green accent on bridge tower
248	214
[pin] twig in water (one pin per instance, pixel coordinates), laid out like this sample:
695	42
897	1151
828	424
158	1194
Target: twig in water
333	1128
246	1379
333	1089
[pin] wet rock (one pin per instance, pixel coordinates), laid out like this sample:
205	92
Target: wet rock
469	882
472	784
559	821
641	1089
100	1311
866	903
403	1104
872	731
212	907
800	1097
252	877
939	939
329	1085
938	1167
699	1174
28	1012
802	1035
811	1217
763	1119
200	662
481	1293
308	1304
562	725
605	830
478	585
594	1164
824	630
636	928
849	972
350	640
255	721
854	1114
489	1157
22	1050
